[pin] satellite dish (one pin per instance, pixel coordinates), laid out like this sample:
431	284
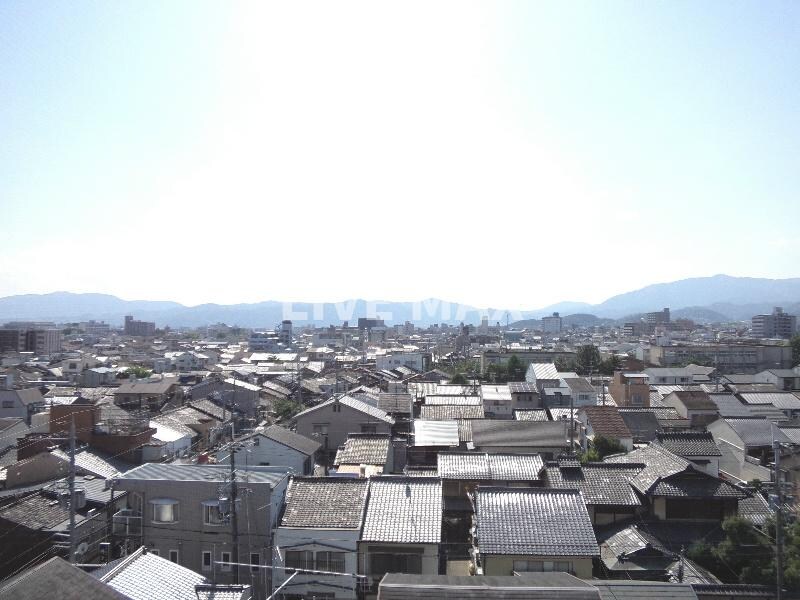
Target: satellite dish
82	548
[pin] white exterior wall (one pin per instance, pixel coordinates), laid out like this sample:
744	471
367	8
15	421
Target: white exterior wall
412	360
267	453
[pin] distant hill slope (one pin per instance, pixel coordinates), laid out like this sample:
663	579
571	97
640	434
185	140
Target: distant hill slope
717	298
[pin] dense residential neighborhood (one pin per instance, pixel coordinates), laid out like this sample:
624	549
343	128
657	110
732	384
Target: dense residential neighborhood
380	460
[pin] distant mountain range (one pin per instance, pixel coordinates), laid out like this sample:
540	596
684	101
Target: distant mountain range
705	299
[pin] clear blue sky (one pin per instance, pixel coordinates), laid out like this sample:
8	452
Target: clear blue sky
503	154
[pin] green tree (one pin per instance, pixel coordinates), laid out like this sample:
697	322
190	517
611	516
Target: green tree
564	365
604	446
608	366
460	379
515	368
744	555
795	343
588	359
138	371
285	408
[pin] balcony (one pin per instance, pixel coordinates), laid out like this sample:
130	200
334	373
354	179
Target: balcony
127	523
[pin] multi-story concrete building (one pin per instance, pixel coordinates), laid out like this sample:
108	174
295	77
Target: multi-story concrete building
660	317
776	325
186	513
139	328
727	358
552	324
41	339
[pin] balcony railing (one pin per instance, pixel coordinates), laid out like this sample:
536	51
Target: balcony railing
127	523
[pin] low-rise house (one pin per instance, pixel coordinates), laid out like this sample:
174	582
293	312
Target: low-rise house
402	528
694	405
630	389
606	487
320	530
146	394
431	437
462	472
276	446
783	379
521	530
20	404
582	392
497	401
670	375
365	454
676	490
524	395
746	446
330	422
604	421
185	513
697	447
543	376
786	402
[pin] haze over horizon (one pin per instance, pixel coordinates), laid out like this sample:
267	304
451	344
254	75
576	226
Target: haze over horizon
202	152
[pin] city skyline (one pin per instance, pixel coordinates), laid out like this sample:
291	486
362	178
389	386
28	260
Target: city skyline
149	145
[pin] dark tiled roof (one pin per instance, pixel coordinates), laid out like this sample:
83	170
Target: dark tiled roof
689	443
643	425
325	503
694	400
659	463
755	509
291	439
56	578
756	432
405	510
526	434
450	411
363	449
729	405
600	483
534	522
606	421
36	512
487	467
695	485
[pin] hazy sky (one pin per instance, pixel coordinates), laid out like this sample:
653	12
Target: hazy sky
503	154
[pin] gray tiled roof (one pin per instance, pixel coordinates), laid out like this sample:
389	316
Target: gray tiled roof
56	579
487	467
395	403
757	432
406	510
643	590
781	400
325	503
600	483
729	405
355	404
292	440
138	577
659	463
643	425
182	472
363	449
689	443
693	399
533	522
606	421
755	509
449	411
695	485
534	414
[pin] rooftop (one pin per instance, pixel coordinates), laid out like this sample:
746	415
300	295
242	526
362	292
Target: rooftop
600	483
363	448
606	421
325	502
406	510
216	473
533	522
487	467
689	443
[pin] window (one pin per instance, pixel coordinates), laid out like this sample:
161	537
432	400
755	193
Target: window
226	558
211	513
299	559
337	407
165	510
538	566
255	559
381	563
154	551
320	429
8	404
206	560
330	561
173	556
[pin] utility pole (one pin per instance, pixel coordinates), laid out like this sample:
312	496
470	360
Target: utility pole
234	516
72	490
776	446
571	424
